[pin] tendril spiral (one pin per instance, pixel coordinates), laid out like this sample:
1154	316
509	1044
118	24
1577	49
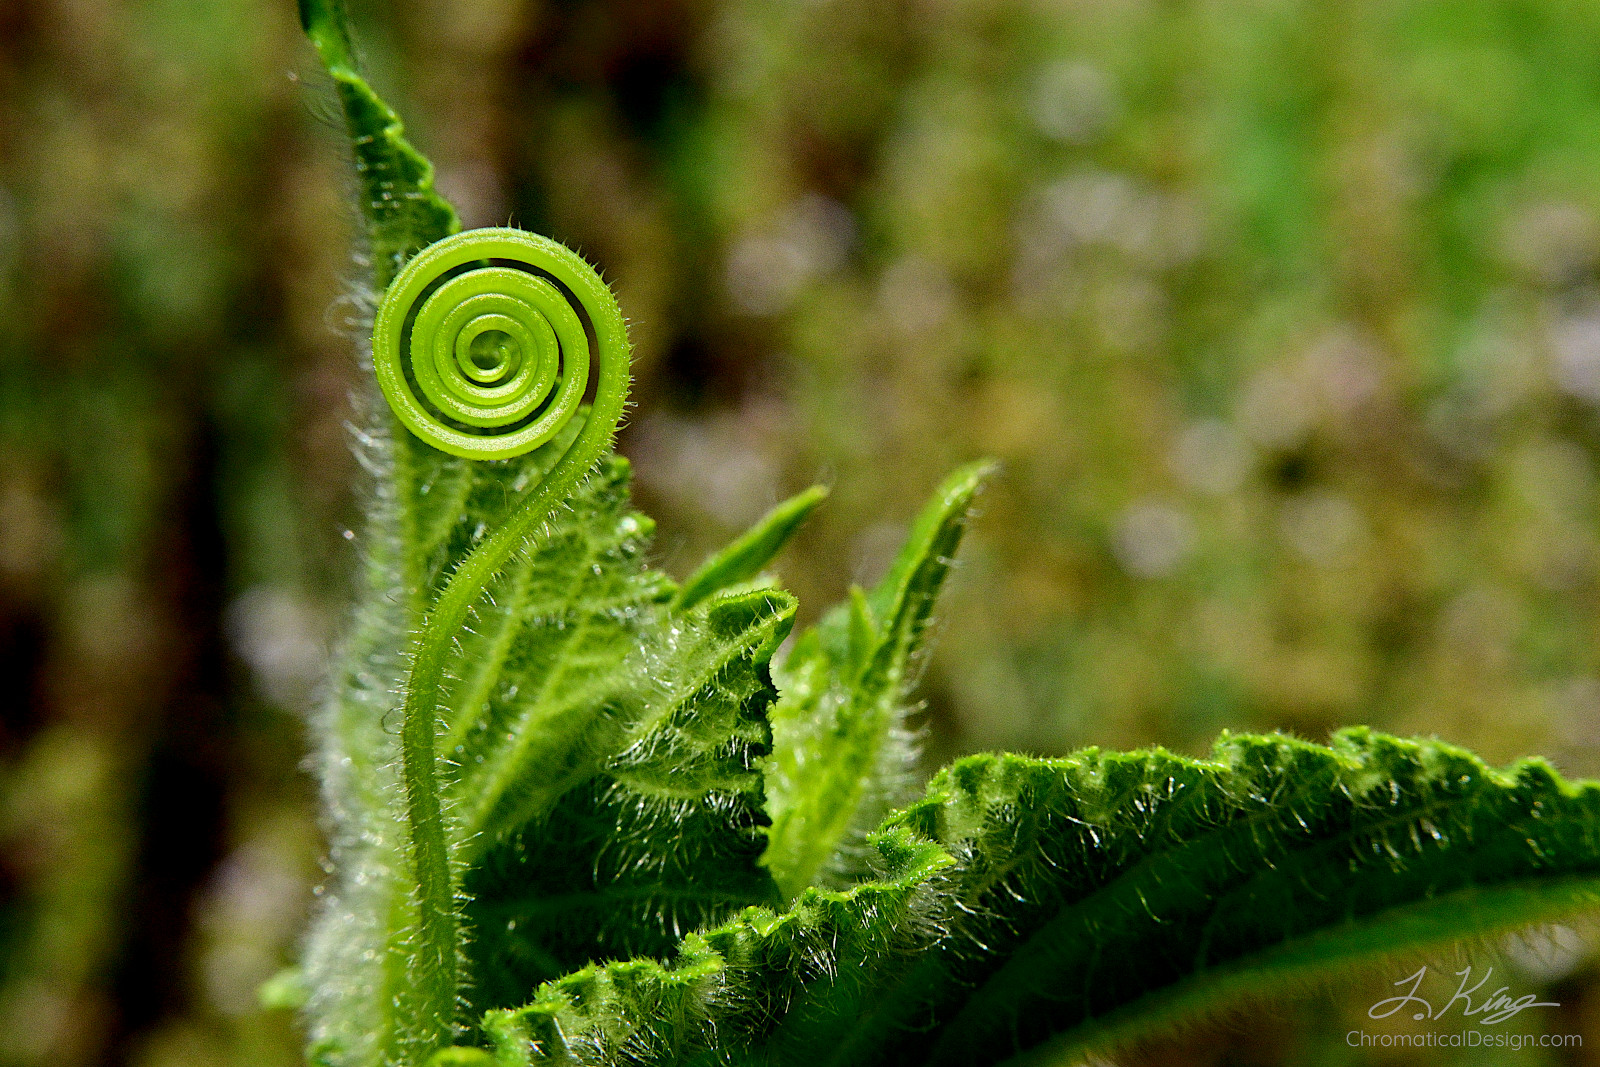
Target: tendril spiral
482	345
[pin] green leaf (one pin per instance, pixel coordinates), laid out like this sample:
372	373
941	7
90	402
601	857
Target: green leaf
403	212
662	834
1073	901
602	794
732	981
841	753
745	558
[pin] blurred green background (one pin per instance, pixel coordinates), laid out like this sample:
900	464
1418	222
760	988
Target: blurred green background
1283	316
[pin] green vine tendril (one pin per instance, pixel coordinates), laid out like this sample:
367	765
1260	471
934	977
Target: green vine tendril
475	349
481	350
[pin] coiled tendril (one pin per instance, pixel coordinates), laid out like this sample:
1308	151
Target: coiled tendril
480	346
481	350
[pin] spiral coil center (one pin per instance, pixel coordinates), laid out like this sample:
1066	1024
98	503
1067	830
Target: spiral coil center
480	345
491	355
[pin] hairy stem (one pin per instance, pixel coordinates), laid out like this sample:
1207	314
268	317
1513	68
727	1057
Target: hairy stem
436	979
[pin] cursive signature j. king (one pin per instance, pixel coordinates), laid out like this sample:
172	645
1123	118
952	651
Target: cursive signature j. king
1495	1007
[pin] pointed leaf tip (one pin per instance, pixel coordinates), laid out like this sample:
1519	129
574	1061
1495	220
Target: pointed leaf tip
841	754
743	559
